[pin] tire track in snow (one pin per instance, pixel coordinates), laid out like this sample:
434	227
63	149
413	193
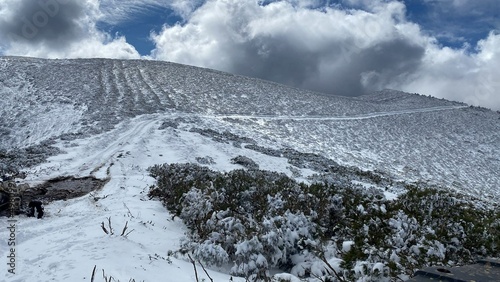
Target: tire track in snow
113	142
135	92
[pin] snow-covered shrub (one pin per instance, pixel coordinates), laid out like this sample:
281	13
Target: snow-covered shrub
14	160
210	253
260	220
249	259
205	160
169	123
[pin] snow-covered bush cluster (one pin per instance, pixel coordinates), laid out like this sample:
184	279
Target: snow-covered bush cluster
223	137
15	159
260	220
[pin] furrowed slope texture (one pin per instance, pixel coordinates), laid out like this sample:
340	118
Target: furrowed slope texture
408	136
45	98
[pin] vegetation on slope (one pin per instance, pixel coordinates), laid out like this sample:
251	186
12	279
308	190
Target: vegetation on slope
258	220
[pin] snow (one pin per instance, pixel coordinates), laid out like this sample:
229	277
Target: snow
390	196
407	136
378	267
115	109
68	241
346	246
286	277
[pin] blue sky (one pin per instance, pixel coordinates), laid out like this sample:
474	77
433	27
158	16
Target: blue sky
138	27
139	24
444	48
462	25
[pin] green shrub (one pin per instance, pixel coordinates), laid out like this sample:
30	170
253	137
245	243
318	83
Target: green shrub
260	220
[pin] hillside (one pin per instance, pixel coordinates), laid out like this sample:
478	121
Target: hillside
97	94
114	120
405	135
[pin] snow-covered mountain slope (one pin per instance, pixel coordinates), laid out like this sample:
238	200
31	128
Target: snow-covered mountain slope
93	95
406	135
113	118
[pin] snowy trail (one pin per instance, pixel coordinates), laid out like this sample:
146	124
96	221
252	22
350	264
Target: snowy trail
341	118
68	242
116	141
94	155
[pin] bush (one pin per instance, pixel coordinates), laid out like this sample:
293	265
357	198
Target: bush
260	220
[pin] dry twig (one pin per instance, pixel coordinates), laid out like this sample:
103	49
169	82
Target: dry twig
194	266
93	274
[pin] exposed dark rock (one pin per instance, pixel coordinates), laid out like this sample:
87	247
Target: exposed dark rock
245	162
12	161
61	188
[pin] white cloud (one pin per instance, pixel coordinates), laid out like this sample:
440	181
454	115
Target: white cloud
97	45
325	50
481	7
185	8
117	11
341	51
459	75
57	29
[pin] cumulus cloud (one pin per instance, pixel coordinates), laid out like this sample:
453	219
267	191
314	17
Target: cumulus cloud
369	45
57	29
458	74
327	50
185	8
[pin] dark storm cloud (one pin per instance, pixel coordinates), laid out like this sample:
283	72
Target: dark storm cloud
335	50
331	51
364	71
48	22
276	59
373	68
